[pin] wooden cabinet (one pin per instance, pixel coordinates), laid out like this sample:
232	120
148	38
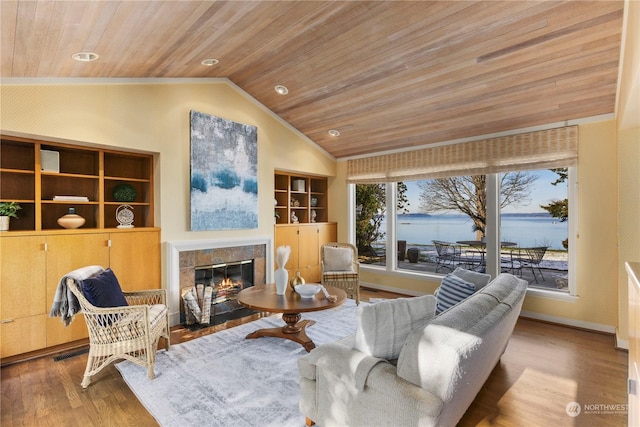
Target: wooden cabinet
305	241
28	177
301	211
135	257
300	197
66	253
33	263
36	252
23	304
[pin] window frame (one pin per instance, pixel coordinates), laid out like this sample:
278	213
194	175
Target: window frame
493	219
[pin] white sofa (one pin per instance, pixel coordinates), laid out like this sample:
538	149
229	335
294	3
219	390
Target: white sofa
442	363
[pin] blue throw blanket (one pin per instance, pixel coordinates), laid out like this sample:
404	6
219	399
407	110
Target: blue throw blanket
65	304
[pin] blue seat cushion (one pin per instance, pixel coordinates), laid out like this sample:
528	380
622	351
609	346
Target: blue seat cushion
453	289
103	290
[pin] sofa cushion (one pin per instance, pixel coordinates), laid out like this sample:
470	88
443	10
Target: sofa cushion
432	353
132	325
382	328
339	276
432	356
103	290
505	294
338	259
479	279
453	289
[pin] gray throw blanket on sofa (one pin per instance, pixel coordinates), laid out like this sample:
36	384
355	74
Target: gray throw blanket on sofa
65	304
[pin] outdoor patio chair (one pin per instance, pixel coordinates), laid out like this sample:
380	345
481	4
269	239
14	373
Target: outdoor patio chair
130	332
510	263
341	268
531	258
450	255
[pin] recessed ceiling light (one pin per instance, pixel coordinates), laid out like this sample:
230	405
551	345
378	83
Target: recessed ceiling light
85	56
210	62
333	132
282	90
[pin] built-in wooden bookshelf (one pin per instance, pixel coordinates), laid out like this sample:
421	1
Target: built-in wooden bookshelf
79	171
301	195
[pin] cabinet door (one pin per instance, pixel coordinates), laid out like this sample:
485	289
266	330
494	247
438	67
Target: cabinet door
309	253
23	296
327	233
135	259
288	236
66	253
22	274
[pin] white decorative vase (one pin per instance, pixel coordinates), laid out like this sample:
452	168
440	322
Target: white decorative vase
281	277
4	223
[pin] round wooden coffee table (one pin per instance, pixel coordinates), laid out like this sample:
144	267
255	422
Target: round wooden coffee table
264	298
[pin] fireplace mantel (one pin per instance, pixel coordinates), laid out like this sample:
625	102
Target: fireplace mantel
173	249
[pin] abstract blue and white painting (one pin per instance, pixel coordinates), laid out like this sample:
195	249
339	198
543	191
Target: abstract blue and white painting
224	174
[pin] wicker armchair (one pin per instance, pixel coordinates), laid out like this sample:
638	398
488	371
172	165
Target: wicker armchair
345	273
130	332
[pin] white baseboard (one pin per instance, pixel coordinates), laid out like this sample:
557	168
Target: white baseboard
174	319
622	344
569	322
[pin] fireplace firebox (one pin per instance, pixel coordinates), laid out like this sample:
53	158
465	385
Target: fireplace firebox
226	279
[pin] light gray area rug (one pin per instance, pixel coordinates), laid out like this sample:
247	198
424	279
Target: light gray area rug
224	379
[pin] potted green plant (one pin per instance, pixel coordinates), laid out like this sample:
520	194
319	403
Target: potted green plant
8	210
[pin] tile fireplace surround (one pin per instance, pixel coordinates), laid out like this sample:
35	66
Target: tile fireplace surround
183	256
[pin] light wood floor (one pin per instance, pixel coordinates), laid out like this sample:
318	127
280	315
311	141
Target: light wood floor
544	368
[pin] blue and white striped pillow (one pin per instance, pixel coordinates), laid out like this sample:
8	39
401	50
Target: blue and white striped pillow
452	290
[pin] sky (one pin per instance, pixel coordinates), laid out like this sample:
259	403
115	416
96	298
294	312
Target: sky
543	193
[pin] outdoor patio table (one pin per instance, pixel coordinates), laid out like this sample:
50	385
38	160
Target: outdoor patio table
480	246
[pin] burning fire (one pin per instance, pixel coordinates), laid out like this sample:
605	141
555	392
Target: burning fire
226	283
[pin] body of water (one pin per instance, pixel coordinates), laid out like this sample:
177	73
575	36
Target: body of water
524	229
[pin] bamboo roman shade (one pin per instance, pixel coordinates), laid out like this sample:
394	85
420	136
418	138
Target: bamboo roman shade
546	149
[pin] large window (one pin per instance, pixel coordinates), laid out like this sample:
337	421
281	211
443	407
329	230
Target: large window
432	226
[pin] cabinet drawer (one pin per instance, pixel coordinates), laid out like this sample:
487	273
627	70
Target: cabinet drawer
57	333
23	335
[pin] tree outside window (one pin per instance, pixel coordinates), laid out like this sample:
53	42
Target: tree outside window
467	195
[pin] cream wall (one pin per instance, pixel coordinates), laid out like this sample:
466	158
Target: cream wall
597	252
629	218
628	109
154	117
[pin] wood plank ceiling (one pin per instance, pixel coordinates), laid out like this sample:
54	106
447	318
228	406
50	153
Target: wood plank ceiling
387	75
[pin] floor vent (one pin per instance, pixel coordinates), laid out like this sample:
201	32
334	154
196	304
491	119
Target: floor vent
70	355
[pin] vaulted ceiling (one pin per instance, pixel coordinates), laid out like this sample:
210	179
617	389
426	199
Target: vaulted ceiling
387	75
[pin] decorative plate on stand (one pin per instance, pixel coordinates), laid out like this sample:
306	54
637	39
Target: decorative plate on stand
124	216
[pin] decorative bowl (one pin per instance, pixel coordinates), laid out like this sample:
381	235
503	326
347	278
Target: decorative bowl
307	290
